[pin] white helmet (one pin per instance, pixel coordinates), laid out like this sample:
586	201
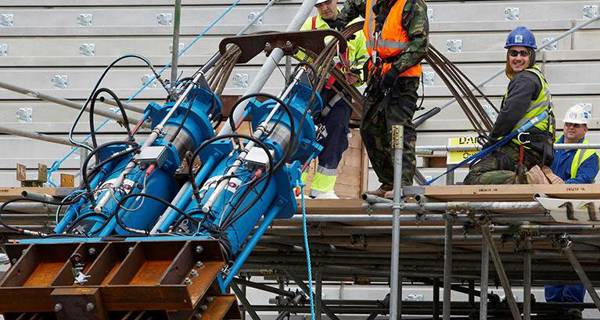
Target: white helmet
579	113
320	1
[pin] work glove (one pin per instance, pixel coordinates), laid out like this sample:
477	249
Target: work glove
389	78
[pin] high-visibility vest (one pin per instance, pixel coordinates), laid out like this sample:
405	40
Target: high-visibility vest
543	103
356	54
393	38
581	155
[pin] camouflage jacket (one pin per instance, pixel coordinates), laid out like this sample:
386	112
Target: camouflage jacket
414	21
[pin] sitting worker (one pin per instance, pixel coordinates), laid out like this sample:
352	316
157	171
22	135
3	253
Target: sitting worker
527	97
335	116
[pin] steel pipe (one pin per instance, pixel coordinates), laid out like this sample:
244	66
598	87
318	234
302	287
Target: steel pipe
65	102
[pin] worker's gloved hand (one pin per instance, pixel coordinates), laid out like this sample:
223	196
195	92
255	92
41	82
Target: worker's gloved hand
389	78
338	24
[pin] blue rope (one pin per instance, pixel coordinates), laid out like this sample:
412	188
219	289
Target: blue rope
493	147
307	250
56	165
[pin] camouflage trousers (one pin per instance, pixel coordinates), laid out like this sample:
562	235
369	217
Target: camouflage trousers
380	113
501	166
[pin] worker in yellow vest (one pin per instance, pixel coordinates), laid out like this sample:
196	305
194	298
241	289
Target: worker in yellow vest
335	116
528	96
575	165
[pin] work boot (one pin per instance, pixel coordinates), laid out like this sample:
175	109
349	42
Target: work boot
381	191
389	194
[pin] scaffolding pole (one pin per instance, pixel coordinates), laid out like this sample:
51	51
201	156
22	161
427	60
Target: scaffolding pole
395	296
447	311
568	251
510	298
485	273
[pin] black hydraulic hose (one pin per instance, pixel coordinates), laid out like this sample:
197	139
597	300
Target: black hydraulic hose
82	217
84	173
112	64
152	197
92	114
18	230
196	153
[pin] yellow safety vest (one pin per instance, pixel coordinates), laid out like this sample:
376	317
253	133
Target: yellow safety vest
581	155
543	103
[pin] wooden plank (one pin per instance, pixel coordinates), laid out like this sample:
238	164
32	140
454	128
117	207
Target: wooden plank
332	206
13	192
521	192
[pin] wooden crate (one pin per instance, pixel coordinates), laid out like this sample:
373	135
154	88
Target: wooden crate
352	172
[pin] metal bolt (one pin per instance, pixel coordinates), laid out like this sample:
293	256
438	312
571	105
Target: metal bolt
58	307
92	251
193	273
199	264
203	307
199	249
288	43
14	260
198	316
187	281
90	307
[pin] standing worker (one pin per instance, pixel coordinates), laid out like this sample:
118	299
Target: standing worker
527	96
397	41
335	116
573	166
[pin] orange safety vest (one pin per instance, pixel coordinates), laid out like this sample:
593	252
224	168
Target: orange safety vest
392	40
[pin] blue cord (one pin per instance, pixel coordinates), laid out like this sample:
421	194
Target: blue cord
56	165
307	250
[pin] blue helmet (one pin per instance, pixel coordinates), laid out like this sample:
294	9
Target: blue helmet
521	36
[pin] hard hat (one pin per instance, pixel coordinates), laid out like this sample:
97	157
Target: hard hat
578	113
320	1
521	36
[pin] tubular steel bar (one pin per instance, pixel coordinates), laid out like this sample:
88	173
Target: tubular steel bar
485	273
395	297
35	136
247	306
65	102
306	290
562	146
527	279
510	298
436	110
175	50
447	312
270	64
568	251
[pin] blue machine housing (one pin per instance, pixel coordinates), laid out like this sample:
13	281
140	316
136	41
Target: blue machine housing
139	212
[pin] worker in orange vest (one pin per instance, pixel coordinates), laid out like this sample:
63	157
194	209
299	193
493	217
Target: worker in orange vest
397	41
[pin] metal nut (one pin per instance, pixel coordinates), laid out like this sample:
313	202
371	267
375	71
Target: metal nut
193	273
199	264
90	307
199	249
58	307
92	251
187	281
